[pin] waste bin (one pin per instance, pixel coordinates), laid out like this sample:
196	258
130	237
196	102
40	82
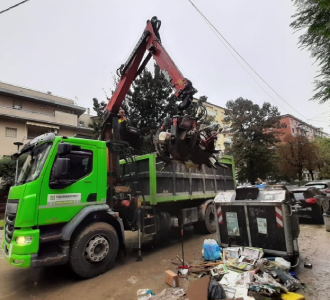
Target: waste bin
326	218
258	218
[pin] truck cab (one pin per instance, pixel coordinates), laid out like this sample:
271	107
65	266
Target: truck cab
62	184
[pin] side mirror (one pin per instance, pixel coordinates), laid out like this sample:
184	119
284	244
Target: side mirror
64	148
61	168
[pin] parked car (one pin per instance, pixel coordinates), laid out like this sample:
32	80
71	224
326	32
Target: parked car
311	203
322	185
284	183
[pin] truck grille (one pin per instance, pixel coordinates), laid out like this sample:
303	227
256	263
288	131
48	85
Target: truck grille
11	211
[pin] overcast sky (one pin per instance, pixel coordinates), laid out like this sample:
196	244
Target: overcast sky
74	47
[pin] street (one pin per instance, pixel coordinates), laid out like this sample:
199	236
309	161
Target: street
127	275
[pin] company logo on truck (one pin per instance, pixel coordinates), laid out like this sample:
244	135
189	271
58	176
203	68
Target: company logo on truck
60	199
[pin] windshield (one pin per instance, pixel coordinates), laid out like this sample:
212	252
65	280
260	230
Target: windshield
34	163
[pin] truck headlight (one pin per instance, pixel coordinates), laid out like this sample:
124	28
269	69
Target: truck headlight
18	261
24	240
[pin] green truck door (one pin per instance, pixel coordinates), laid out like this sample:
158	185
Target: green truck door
61	203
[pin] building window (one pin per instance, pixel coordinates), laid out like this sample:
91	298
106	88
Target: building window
11	132
33	132
292	130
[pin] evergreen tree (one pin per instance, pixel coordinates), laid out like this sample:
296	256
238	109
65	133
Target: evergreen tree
254	135
99	108
313	17
150	100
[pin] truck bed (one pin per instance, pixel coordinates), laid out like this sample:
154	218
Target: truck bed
176	182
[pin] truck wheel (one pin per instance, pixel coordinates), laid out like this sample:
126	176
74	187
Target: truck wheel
209	223
93	250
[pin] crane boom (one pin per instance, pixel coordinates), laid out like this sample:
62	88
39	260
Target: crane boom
149	42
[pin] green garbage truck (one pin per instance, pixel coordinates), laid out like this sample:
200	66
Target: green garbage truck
60	212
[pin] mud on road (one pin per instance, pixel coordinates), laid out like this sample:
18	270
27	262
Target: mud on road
127	275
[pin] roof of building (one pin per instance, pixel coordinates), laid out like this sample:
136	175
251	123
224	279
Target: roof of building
302	122
39	97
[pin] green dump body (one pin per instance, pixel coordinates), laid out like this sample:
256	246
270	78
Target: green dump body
176	182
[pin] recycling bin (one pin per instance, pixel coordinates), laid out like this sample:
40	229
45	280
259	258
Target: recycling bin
258	218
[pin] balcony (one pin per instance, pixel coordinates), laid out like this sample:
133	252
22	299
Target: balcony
24	114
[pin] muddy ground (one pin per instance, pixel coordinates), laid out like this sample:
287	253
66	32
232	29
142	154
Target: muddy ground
127	275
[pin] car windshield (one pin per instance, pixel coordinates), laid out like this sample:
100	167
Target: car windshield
34	163
317	185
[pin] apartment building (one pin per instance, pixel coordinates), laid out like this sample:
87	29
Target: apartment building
294	126
218	113
26	113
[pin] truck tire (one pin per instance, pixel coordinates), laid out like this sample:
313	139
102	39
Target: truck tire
93	250
209	223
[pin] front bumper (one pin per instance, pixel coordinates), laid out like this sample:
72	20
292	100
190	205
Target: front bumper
20	255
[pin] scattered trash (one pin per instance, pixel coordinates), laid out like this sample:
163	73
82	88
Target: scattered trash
253	253
212	250
293	274
216	290
183	270
170	294
143	294
132	279
292	296
265	289
290	283
218	271
198	289
284	263
231	253
307	265
171	278
242	269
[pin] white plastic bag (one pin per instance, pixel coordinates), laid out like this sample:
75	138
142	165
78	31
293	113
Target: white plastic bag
211	250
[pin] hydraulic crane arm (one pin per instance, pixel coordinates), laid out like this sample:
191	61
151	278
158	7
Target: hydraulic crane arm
150	42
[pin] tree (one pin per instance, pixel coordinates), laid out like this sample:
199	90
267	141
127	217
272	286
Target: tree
313	16
99	108
297	153
253	129
8	170
323	156
149	101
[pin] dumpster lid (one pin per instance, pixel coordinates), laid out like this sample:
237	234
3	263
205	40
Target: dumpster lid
252	194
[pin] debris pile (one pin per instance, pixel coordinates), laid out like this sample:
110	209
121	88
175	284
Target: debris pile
231	273
245	273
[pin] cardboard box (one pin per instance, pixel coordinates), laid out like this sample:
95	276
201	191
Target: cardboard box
198	289
171	278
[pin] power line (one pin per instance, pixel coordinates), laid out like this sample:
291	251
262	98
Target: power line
244	67
9	8
215	29
316	116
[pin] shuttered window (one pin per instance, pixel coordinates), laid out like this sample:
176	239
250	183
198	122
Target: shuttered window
11	132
